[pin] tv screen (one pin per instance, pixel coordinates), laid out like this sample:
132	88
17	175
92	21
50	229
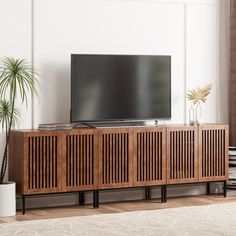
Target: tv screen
120	87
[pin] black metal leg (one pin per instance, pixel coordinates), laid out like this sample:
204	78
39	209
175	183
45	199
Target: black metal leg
23	204
162	194
95	199
225	189
81	198
208	188
147	193
165	193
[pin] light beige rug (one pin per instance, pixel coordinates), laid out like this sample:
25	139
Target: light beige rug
218	219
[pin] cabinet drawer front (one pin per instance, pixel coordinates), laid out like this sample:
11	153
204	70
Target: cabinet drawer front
115	159
182	155
79	162
42	164
149	157
213	153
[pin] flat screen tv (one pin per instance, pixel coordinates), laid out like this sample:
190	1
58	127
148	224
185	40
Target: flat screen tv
120	87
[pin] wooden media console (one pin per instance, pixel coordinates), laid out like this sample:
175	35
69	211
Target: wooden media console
92	159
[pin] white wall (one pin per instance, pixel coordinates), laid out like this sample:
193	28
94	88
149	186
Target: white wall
104	26
15	38
188	30
15	41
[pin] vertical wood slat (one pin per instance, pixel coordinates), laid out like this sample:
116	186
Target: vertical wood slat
223	161
54	162
151	157
156	157
125	163
110	158
40	163
43	162
46	162
104	176
74	144
142	157
120	160
158	147
51	161
217	152
161	162
193	155
117	158
173	149
114	158
91	158
29	165
125	158
83	170
80	172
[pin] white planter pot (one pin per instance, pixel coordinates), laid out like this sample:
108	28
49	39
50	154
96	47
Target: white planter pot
8	199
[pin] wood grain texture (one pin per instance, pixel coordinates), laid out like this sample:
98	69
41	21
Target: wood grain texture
213	152
115	158
42	163
78	160
115	207
149	156
182	154
16	160
87	159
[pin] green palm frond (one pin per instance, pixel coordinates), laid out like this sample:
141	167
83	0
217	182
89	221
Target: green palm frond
5	115
17	74
199	94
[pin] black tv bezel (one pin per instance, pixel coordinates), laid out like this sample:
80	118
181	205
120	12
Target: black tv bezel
120	119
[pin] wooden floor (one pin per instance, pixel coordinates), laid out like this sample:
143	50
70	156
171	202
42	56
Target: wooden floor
115	207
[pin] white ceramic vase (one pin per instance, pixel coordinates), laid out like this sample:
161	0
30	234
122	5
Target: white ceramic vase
191	115
199	113
8	199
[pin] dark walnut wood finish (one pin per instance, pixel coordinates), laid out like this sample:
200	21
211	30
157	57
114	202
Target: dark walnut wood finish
115	158
79	160
182	154
149	156
35	161
213	152
92	159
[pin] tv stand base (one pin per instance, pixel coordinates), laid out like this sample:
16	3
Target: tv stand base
147	195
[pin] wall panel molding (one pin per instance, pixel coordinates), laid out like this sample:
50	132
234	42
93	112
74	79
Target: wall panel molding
32	49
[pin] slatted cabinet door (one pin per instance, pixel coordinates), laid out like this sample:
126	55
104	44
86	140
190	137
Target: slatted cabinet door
213	152
115	158
79	160
182	154
42	162
149	156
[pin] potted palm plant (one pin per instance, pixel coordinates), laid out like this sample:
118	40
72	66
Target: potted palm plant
16	76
